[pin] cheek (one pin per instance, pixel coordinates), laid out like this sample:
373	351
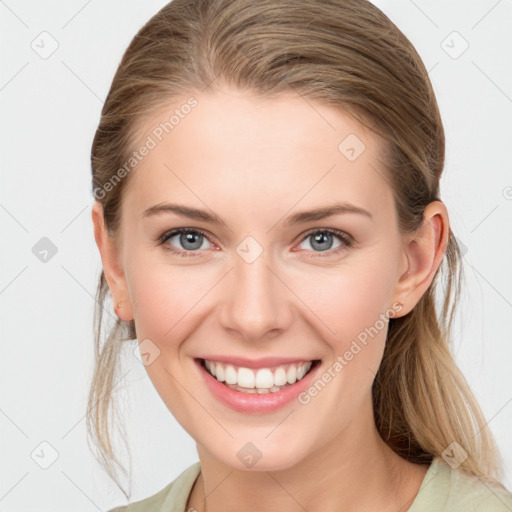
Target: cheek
352	306
165	297
354	303
166	303
350	298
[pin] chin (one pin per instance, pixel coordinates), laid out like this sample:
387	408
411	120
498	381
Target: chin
260	456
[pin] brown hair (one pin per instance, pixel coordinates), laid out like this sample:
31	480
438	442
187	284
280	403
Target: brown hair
349	55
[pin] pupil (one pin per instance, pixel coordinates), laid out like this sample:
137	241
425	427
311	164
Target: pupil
322	237
189	238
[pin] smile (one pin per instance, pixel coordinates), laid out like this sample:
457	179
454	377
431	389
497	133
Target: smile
262	380
260	390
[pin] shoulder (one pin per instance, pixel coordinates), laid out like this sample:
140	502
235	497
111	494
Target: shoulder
448	489
470	493
172	498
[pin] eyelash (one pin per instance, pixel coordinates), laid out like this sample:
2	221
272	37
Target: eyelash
347	241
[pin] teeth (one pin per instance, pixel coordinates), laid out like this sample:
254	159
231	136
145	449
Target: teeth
245	378
219	372
301	371
291	374
263	380
280	377
259	391
231	375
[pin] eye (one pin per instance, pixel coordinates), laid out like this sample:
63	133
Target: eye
322	241
190	239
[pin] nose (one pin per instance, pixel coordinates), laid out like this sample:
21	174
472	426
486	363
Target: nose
257	303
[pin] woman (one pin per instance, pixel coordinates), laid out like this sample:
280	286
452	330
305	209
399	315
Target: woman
297	147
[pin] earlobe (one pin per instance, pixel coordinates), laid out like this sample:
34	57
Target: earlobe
423	252
112	267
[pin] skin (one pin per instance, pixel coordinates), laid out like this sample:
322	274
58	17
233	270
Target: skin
254	161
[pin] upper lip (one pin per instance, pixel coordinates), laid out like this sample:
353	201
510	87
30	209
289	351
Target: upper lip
263	362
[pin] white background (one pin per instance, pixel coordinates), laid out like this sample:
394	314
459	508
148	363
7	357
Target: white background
49	112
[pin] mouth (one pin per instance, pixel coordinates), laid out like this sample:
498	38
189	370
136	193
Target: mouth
271	379
257	390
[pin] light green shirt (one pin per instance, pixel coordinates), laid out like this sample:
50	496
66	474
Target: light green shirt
443	490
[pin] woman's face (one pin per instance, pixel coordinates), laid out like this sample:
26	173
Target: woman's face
264	281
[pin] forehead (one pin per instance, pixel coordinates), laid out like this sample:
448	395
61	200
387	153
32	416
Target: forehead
256	150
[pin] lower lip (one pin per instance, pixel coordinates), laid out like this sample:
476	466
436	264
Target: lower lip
253	402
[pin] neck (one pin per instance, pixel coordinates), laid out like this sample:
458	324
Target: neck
354	471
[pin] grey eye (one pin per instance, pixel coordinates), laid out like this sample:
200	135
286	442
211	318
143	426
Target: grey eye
187	239
321	240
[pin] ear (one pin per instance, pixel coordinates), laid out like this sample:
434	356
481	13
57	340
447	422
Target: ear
423	252
112	267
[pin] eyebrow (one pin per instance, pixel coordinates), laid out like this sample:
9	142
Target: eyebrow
297	218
